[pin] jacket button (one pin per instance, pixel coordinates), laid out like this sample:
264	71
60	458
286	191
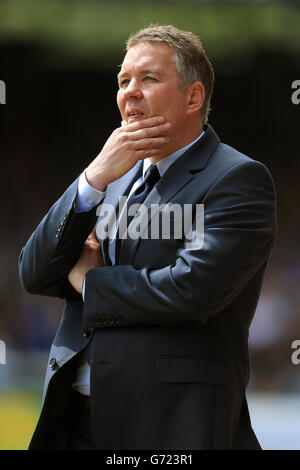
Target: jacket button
86	332
53	363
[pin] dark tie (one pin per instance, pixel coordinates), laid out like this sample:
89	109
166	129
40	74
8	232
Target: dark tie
137	197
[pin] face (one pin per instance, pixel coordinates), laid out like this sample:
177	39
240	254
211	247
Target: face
148	86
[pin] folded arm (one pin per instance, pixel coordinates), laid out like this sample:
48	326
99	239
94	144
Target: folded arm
55	246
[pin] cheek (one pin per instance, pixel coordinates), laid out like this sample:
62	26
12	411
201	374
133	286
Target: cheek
169	102
171	110
120	100
177	107
160	104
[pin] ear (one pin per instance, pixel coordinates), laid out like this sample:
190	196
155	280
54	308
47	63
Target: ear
195	94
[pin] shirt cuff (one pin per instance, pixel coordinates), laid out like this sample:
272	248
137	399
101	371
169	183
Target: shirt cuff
87	197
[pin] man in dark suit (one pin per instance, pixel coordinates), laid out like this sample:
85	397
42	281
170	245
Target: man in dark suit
152	351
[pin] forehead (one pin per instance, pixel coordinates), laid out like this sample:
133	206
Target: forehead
147	56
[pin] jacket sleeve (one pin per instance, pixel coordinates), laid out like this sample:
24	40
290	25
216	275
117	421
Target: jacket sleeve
239	231
54	247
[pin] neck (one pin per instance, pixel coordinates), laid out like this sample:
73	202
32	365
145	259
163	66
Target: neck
179	141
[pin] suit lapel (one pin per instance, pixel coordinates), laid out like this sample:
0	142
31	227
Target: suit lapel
110	204
178	175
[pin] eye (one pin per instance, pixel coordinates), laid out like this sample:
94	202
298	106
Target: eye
124	82
148	78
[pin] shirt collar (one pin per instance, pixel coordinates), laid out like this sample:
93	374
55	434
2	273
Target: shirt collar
164	163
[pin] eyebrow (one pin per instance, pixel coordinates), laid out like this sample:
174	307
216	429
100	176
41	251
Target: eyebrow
123	74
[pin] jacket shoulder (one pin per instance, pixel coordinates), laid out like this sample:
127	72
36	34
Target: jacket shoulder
226	159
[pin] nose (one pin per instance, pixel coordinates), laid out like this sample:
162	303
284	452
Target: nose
133	91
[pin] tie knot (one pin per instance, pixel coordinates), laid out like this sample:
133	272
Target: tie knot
152	175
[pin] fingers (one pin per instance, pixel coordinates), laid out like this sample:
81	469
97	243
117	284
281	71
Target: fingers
92	238
143	123
144	138
155	131
125	146
150	127
92	235
155	142
91	241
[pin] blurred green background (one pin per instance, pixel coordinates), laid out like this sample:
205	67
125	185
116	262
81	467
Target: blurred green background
59	60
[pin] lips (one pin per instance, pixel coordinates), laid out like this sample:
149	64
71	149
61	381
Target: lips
134	115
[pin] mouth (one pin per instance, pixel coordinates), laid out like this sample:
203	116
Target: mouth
134	115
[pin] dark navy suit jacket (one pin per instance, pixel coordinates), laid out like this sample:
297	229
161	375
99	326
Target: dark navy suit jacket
168	326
